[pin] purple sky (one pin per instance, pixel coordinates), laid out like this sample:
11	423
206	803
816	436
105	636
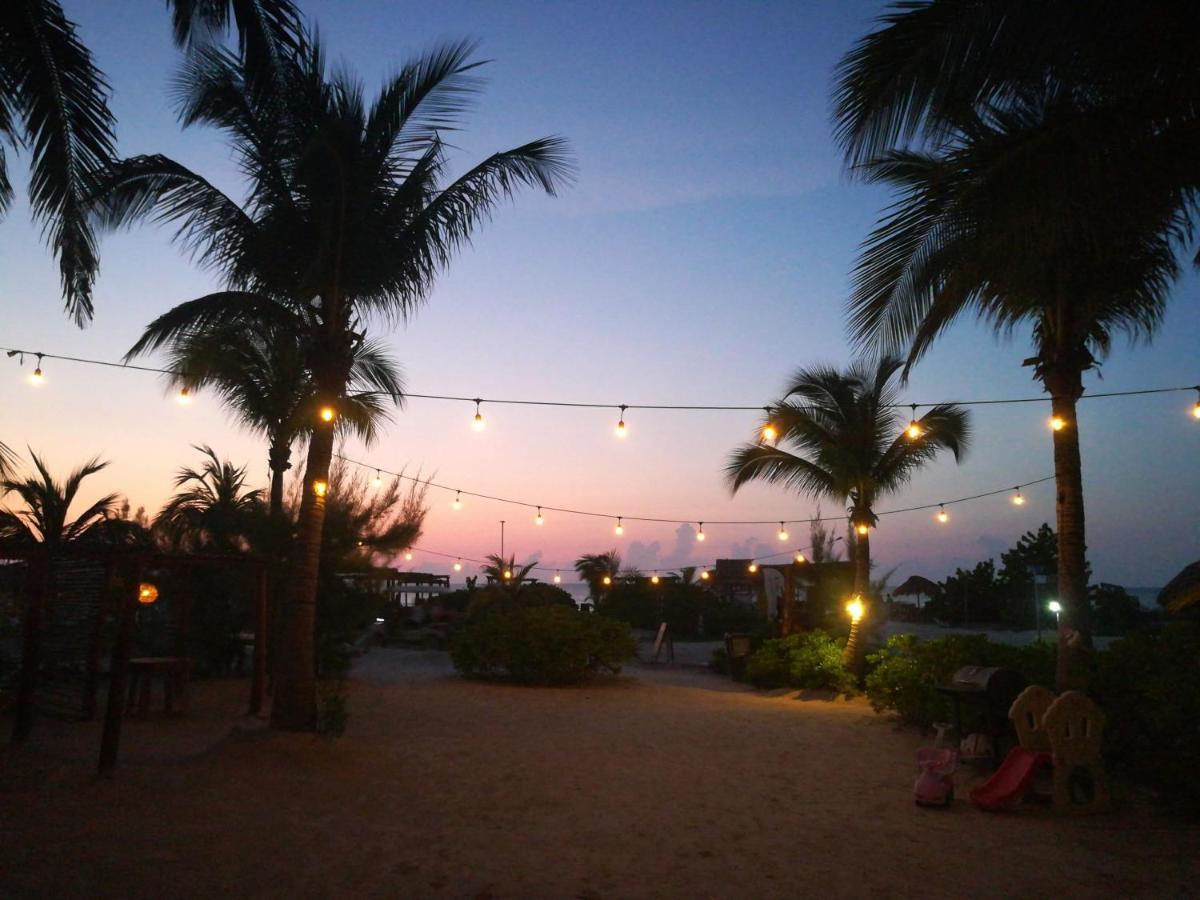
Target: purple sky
702	256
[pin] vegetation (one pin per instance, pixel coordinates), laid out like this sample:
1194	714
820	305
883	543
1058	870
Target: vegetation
213	510
811	660
690	610
593	568
849	444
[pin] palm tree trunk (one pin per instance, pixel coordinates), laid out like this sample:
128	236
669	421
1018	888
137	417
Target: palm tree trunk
1072	563
280	460
294	706
862	588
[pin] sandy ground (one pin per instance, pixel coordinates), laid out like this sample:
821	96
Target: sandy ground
666	783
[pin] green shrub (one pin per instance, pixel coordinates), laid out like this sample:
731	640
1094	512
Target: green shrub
691	611
811	660
541	645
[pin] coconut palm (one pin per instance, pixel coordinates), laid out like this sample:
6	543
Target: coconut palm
348	219
506	573
593	568
212	508
260	375
1024	219
841	436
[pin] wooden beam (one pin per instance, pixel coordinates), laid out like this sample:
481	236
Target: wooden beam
118	676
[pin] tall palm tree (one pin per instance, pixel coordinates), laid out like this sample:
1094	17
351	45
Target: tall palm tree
41	529
842	436
1024	219
261	376
349	218
507	574
593	568
212	508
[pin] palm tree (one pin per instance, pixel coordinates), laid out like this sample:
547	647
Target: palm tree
593	568
212	509
367	522
1024	219
348	218
41	529
507	574
850	443
260	374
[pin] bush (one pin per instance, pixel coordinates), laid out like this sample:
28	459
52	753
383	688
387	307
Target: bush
811	660
691	611
541	645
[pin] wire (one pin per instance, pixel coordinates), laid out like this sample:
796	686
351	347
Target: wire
572	404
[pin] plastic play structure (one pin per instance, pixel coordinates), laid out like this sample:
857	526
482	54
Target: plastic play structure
1062	732
935	784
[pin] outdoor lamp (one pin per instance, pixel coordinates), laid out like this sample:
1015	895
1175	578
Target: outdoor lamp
147	593
327	413
855	609
320	488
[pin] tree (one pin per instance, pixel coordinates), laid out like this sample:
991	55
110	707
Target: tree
979	229
213	509
348	219
593	568
848	443
260	375
507	574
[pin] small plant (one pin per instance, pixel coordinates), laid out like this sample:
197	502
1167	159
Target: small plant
811	660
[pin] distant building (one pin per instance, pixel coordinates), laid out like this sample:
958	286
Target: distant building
404	588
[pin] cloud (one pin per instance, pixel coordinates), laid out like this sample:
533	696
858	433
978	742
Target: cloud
643	556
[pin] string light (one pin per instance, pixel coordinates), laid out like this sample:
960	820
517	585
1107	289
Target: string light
320	488
800	558
477	423
327	414
1196	408
704	575
700	533
457	504
769	432
620	529
557	578
37	378
654	578
752	568
377	481
507	574
458	565
1057	423
408	556
1017	499
184	397
621	429
783	535
862	530
942	515
607	580
540	520
914	430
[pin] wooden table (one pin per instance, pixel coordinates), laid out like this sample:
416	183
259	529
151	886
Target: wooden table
174	671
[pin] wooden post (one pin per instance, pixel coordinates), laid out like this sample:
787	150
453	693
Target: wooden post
258	681
789	597
118	675
31	650
94	648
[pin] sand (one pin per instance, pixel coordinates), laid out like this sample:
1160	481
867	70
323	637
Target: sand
666	783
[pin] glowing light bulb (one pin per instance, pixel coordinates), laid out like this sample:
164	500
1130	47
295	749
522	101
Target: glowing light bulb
752	568
458	565
622	431
477	423
942	515
607	580
320	488
184	397
507	574
855	608
1057	423
539	520
800	558
654	578
1196	408
914	429
783	535
327	414
37	378
557	578
769	433
700	533
377	481
1017	499
620	529
862	530
147	593
704	575
457	504
1054	606
408	556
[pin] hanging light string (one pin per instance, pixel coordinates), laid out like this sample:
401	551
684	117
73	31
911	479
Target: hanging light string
621	408
621	518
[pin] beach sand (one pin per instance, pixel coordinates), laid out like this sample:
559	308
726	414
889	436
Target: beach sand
668	782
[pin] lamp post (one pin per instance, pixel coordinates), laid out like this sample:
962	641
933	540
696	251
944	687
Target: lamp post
1055	607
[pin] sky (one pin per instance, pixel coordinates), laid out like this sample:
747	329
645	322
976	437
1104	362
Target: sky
702	255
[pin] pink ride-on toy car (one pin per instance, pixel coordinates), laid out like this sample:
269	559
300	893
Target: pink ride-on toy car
935	784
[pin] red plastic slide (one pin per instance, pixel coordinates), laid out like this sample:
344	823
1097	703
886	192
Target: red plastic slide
1005	789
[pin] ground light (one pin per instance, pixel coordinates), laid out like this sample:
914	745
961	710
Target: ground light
1055	607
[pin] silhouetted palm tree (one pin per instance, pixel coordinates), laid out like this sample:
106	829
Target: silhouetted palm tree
593	568
506	573
847	440
1023	220
260	374
348	218
213	509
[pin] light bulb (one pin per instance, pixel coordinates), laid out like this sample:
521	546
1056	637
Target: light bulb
377	481
408	556
37	378
477	423
622	431
855	608
539	520
327	414
607	580
942	515
1017	499
457	504
704	575
700	533
862	530
184	397
654	578
783	535
914	429
458	565
800	558
1057	423
769	433
1196	408
507	573
752	568
320	488
557	578
620	529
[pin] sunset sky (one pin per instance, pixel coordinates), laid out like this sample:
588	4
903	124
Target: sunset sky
703	254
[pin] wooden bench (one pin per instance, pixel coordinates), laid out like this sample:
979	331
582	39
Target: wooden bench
175	672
